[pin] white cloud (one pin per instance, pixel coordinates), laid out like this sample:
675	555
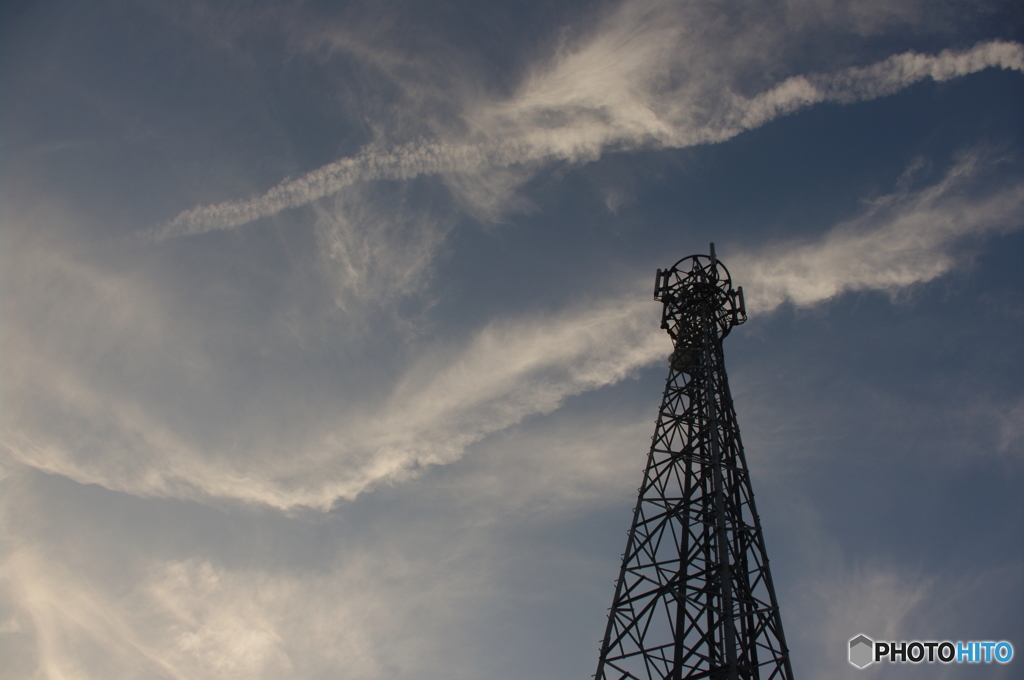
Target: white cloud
455	396
68	620
552	468
844	596
645	78
449	400
403	596
114	381
371	614
903	238
1011	427
377	249
91	402
871	599
514	369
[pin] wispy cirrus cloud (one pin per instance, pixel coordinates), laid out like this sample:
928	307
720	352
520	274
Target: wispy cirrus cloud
195	619
901	239
68	618
92	403
457	395
508	371
378	248
637	82
854	592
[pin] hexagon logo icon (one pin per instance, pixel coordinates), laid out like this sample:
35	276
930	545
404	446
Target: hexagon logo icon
861	651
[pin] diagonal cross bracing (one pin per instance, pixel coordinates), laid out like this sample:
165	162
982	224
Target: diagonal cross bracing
694	598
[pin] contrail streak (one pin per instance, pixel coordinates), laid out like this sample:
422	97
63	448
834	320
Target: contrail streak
509	133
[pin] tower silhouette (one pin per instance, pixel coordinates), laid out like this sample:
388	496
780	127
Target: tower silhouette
694	598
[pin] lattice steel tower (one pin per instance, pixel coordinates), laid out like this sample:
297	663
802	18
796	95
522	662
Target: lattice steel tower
695	597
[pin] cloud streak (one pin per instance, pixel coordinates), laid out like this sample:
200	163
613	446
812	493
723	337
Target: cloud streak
83	407
902	239
508	371
627	88
455	396
191	618
377	248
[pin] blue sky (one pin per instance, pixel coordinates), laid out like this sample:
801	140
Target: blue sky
328	345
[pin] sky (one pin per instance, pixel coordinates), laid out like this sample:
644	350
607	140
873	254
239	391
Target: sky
328	345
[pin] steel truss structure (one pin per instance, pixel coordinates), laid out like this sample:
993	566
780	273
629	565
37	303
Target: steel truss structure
694	598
